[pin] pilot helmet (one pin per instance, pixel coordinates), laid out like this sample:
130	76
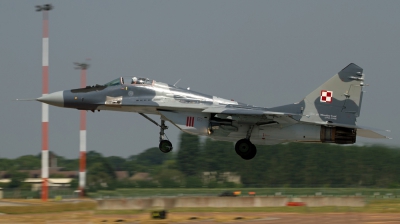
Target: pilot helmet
134	79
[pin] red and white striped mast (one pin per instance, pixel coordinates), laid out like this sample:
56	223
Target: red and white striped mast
45	107
82	134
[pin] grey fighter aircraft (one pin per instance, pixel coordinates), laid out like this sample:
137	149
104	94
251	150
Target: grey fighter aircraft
326	115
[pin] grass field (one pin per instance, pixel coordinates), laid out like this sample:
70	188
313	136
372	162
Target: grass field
144	192
37	206
148	192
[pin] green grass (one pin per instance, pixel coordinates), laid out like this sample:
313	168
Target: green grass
373	206
383	206
147	192
48	207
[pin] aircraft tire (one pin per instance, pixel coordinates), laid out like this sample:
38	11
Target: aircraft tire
252	153
243	147
165	146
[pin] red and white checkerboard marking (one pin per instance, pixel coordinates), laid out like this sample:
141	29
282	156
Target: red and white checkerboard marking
326	96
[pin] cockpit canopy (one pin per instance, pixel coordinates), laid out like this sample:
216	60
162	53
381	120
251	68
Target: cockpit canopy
132	80
138	80
115	82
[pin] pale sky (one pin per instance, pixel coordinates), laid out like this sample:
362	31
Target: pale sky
265	53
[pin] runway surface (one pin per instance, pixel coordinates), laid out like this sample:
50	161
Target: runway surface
207	217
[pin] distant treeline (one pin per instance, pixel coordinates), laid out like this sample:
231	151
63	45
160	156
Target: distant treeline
283	165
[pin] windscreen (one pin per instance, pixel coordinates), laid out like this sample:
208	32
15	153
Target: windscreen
114	82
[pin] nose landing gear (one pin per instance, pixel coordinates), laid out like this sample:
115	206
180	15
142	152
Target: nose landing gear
165	145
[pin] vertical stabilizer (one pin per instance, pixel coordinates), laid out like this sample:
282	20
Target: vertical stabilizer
338	100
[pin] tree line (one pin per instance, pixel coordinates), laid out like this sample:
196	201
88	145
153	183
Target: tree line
282	165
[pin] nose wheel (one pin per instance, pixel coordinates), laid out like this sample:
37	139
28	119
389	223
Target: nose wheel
165	145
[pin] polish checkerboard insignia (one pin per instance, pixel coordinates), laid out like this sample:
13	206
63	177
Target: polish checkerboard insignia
326	96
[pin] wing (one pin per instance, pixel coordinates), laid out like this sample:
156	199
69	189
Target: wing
250	110
251	115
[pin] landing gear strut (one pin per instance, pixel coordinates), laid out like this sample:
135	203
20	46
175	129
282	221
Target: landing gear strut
244	148
165	145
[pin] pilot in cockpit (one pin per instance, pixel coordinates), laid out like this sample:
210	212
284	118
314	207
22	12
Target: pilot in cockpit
134	80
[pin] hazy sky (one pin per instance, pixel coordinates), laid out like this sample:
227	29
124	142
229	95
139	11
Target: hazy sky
265	53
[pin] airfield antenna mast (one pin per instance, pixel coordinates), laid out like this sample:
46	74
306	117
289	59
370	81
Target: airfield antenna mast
45	90
82	134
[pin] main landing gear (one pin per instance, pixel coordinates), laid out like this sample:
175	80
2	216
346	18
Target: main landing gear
244	148
165	145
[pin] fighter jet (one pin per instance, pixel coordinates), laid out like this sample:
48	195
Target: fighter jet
326	115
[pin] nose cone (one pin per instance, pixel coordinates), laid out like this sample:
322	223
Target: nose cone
55	99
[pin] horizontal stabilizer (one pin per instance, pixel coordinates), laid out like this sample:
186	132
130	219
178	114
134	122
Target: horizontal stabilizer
362	131
369	134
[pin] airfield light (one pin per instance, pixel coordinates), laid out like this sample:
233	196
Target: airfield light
82	134
45	90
